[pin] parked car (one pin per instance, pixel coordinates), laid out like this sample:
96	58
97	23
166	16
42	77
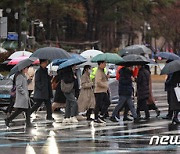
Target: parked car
5	89
112	70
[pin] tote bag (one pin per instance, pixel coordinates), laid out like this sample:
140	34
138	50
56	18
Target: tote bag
177	92
66	87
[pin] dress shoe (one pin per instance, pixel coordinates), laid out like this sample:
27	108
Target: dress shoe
175	121
6	122
127	119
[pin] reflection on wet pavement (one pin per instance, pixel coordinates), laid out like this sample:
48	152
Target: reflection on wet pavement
86	137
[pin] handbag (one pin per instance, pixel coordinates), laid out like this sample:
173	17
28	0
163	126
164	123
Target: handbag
54	83
66	87
177	92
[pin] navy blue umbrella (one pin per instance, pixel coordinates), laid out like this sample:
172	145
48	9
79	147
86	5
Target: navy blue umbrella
73	55
71	62
167	55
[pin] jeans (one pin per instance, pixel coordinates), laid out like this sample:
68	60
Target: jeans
122	100
71	109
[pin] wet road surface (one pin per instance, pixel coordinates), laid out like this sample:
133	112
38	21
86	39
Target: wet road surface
86	137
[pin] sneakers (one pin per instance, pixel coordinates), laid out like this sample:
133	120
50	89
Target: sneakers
113	119
73	120
101	118
66	120
98	121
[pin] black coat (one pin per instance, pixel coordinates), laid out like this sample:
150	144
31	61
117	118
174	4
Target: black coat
168	82
143	84
67	75
59	95
42	88
125	82
174	104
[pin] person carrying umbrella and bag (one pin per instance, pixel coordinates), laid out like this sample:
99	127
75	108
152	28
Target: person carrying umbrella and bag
22	102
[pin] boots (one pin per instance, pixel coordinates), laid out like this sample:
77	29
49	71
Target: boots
175	119
157	112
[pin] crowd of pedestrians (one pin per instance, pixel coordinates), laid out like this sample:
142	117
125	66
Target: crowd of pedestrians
89	94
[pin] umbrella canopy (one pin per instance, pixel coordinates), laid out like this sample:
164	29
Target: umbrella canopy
73	55
71	62
51	53
88	54
167	55
23	64
20	54
171	67
88	62
15	61
134	59
108	57
135	49
2	50
18	59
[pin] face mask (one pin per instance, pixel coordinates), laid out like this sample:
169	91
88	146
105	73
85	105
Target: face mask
89	71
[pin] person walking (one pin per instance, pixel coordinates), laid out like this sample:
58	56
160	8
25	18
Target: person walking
59	98
22	99
143	91
125	94
12	96
43	90
175	104
151	101
86	100
71	110
101	93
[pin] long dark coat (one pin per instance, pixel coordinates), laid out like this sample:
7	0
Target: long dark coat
43	88
143	84
174	104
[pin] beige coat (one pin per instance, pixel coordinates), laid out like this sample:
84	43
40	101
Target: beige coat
86	98
101	81
30	75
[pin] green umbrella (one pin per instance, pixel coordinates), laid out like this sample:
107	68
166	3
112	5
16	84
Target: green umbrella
108	57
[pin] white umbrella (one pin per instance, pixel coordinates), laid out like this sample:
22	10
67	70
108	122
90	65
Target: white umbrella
88	54
19	54
2	50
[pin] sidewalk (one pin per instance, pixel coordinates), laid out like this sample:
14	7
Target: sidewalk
158	78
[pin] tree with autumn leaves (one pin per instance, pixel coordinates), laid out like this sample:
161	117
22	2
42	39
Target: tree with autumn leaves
103	20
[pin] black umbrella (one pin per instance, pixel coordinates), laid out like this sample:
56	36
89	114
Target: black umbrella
22	64
171	67
135	49
167	55
51	53
134	59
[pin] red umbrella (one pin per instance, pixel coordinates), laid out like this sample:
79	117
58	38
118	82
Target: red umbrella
15	61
